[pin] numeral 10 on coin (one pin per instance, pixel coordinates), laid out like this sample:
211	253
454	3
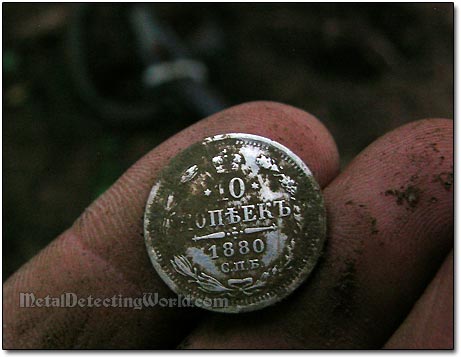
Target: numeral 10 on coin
236	187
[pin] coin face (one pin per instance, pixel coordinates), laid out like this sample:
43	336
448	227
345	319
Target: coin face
237	217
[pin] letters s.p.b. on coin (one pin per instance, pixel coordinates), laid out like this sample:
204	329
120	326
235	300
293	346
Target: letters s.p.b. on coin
237	216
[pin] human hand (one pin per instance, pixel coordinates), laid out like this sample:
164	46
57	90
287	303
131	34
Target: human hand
390	239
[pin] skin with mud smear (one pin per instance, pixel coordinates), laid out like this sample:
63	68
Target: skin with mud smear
411	194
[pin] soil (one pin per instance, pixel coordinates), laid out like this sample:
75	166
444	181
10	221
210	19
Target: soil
409	196
362	69
446	179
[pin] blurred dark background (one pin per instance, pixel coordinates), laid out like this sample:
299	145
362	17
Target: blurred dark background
76	113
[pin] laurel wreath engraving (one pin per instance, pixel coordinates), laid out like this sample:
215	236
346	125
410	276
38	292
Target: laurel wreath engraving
275	269
205	282
287	183
210	284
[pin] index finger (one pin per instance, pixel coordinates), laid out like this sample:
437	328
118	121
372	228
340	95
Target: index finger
103	253
390	217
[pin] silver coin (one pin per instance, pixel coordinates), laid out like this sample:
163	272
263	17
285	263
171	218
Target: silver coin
236	221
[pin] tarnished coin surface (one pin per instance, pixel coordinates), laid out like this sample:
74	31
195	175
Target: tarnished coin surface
237	217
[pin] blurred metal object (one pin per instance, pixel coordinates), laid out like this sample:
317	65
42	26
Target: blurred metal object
170	74
169	61
165	72
152	37
164	55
